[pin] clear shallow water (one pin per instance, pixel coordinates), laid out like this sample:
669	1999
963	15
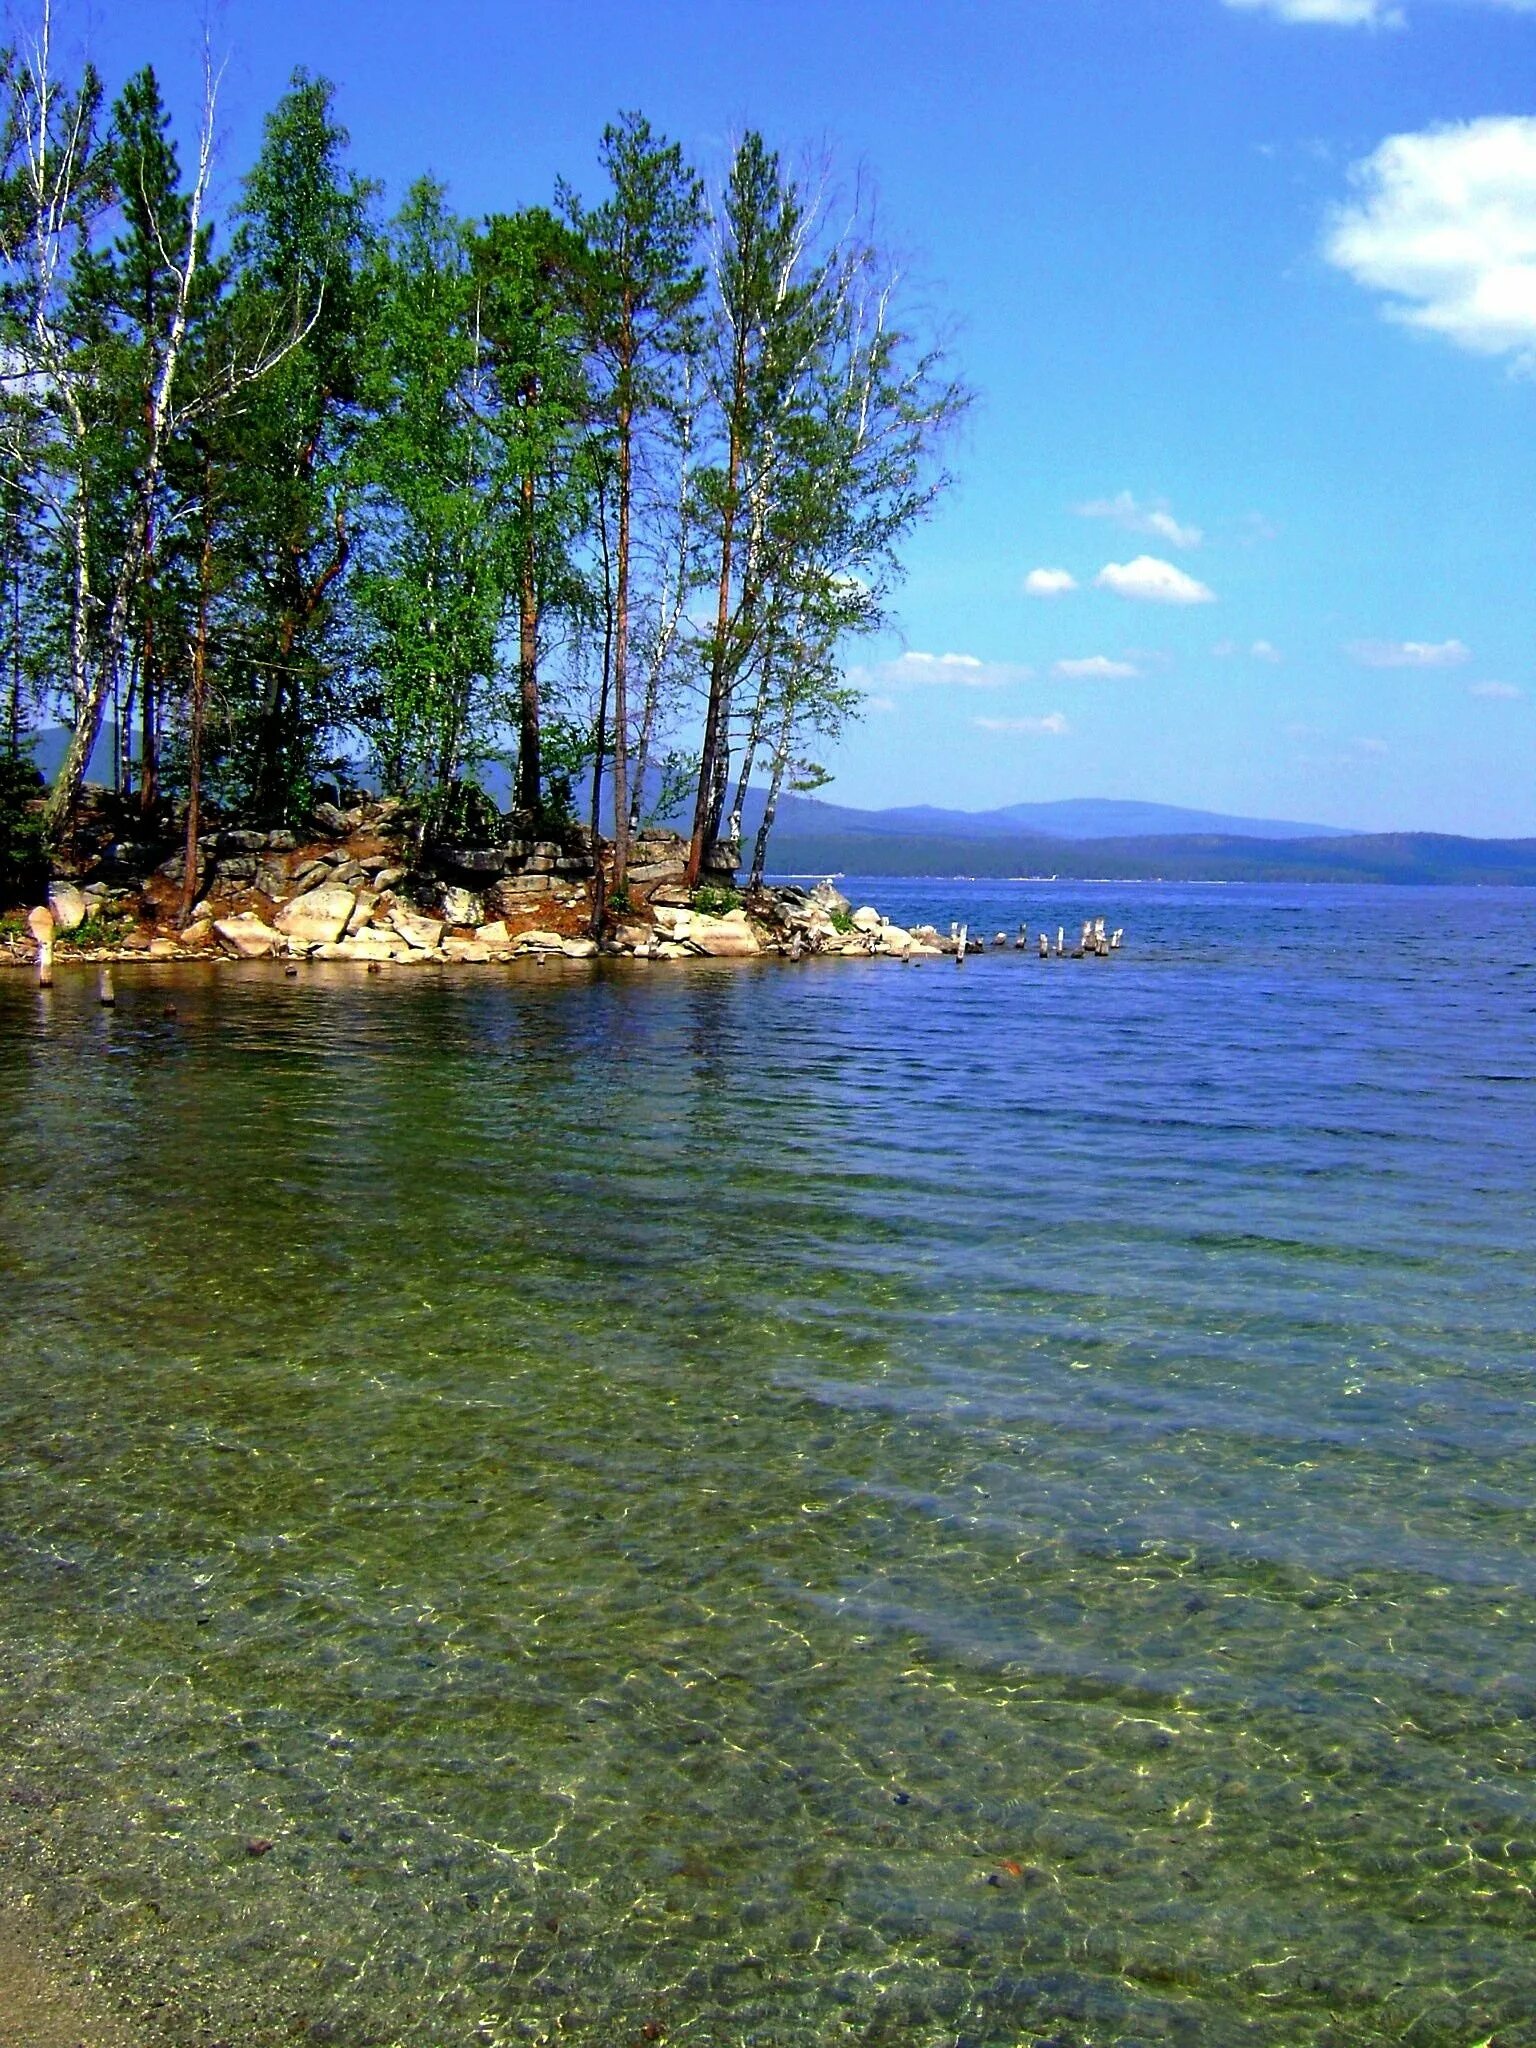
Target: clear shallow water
841	1504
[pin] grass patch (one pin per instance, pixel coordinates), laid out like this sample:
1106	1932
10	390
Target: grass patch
715	901
101	928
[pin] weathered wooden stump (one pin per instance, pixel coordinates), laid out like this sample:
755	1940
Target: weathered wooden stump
40	925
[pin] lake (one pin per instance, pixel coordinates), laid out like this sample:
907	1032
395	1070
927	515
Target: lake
739	1503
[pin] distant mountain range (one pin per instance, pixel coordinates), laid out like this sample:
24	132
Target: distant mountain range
1071	818
1092	839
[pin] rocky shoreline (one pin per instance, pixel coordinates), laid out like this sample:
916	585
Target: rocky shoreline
356	886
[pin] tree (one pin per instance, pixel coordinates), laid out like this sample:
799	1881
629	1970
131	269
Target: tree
302	236
527	265
766	291
643	280
164	227
439	561
833	414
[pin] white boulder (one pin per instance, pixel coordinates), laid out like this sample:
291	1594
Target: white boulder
68	905
421	934
247	936
319	917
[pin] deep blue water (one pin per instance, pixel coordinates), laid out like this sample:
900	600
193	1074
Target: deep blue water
840	1503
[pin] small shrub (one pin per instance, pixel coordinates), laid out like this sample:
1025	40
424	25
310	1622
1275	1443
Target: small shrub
842	921
101	928
619	900
715	901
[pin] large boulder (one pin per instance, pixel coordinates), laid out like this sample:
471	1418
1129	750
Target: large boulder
319	917
539	942
460	906
470	860
422	934
518	893
68	905
373	945
724	938
247	936
867	919
330	821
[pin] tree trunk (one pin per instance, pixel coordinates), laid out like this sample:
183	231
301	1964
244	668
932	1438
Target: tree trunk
530	774
621	620
770	808
148	779
189	872
599	881
715	709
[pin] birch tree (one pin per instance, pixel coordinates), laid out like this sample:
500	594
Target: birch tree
643	279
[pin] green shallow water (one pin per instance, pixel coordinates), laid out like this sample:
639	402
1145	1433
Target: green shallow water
848	1506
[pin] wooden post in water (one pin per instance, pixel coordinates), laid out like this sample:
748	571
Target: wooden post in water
1045	946
960	946
40	925
106	994
1061	940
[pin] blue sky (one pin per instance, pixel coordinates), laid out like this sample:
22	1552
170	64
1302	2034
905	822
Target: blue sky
1248	291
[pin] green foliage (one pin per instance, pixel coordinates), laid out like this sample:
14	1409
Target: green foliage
716	901
103	928
461	814
439	561
303	233
620	902
320	490
842	921
23	868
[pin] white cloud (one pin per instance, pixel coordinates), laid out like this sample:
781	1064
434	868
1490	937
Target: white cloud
1154	520
1153	581
1337	13
1410	653
1444	222
1053	724
1096	668
1505	692
1266	650
916	670
1049	582
943	660
879	703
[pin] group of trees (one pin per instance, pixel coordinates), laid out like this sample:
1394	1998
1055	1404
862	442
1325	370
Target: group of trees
596	490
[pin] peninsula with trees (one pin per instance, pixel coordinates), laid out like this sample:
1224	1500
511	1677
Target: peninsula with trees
323	521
